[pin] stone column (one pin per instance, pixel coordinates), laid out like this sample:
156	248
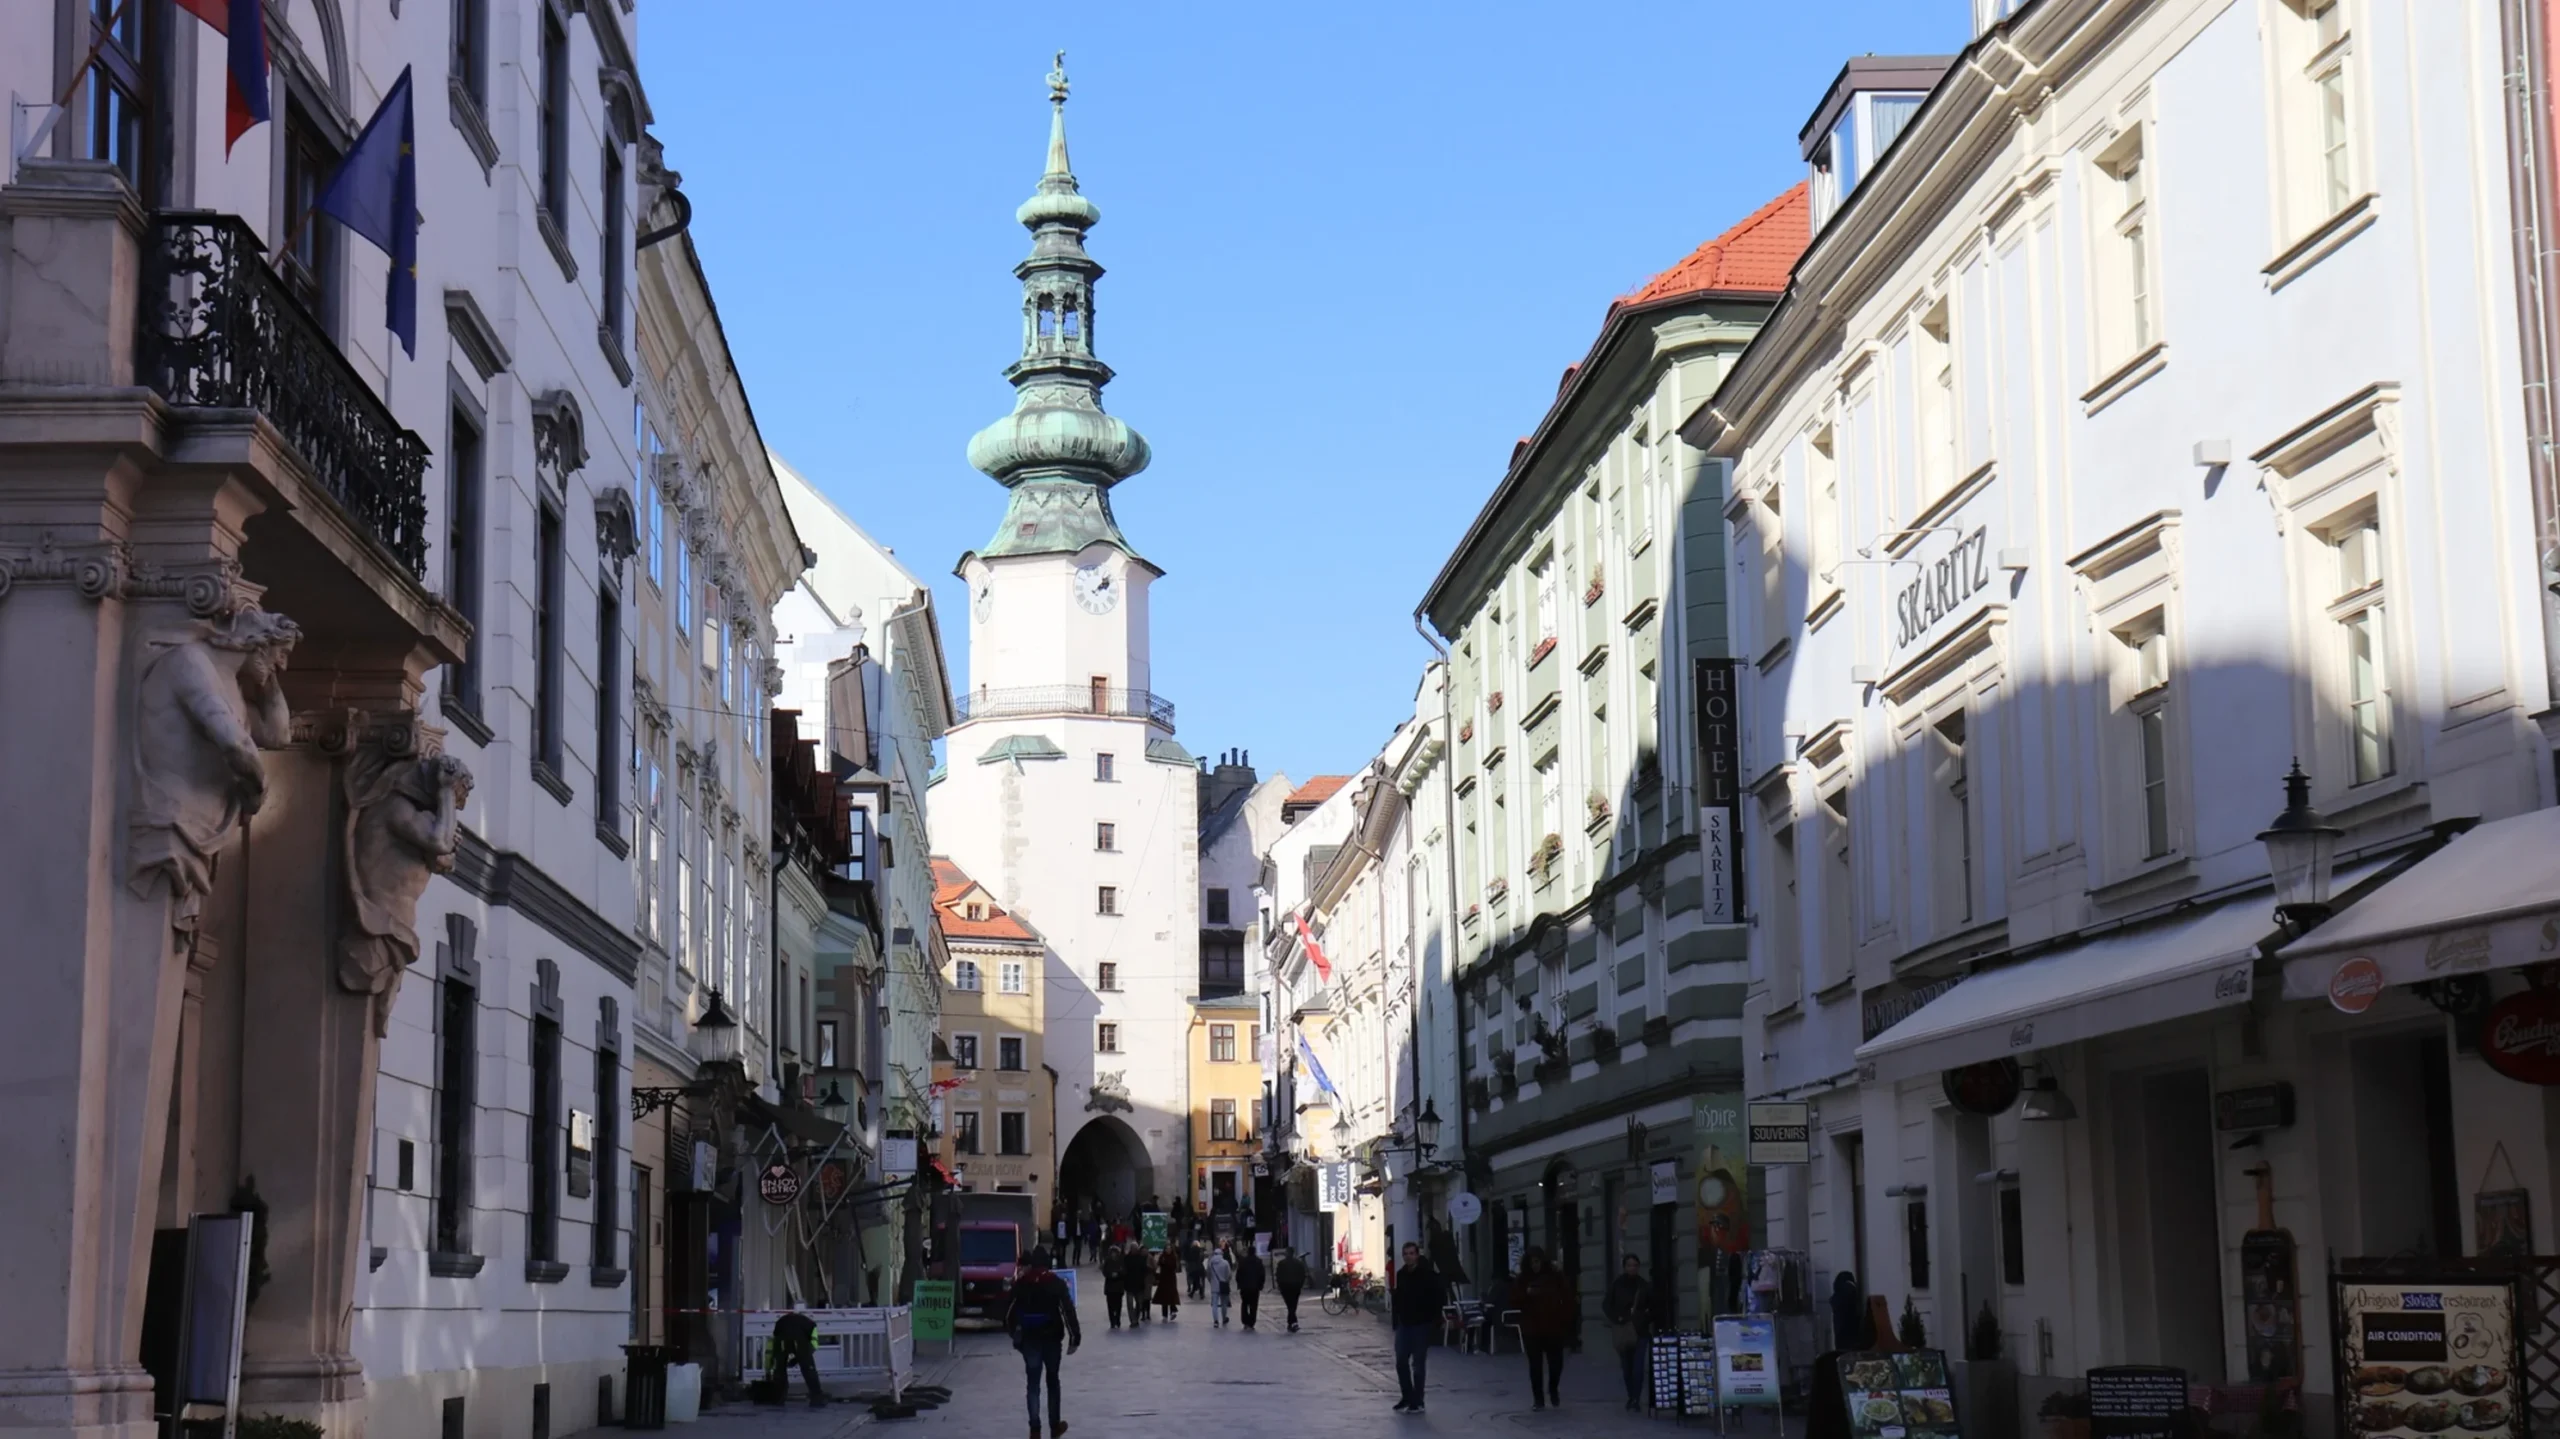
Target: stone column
101	575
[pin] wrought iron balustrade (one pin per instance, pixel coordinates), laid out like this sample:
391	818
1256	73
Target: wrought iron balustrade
219	330
1065	699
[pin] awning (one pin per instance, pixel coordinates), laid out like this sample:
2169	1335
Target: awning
2490	899
798	1124
2185	964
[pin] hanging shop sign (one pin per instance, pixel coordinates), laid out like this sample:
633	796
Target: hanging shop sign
1465	1208
2520	1036
1724	1219
2136	1401
1746	1360
2254	1107
2428	1353
1334	1191
1664	1180
1155	1230
778	1184
1719	787
1781	1132
897	1156
1986	1088
2355	985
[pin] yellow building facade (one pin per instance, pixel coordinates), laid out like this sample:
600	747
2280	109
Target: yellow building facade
998	1122
1226	1098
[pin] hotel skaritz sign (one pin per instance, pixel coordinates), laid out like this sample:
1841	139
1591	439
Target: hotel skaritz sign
1953	579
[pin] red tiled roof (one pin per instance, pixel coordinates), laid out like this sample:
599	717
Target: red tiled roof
1755	255
1315	791
950	886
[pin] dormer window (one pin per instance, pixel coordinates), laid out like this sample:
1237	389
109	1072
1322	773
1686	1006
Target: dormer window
1872	101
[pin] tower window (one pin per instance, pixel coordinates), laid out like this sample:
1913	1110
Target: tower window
1106	899
1106	835
1102	771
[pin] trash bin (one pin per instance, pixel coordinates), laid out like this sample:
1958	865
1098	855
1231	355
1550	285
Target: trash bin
644	1385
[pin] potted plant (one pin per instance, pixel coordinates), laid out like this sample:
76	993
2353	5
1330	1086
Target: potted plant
1989	1382
1911	1329
2064	1414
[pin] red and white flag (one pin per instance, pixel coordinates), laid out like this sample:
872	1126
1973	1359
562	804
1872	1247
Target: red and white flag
1315	956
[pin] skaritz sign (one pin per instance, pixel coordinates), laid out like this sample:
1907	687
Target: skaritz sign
1943	587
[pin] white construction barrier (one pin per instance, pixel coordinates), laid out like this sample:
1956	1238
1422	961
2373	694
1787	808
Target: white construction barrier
868	1348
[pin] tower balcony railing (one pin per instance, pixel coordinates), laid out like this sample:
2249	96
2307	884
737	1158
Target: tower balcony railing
219	330
1066	700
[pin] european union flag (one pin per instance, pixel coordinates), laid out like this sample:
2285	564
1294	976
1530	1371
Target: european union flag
375	194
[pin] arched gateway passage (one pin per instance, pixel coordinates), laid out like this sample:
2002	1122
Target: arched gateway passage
1106	1162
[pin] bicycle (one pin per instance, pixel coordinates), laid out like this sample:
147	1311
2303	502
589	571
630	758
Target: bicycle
1351	1290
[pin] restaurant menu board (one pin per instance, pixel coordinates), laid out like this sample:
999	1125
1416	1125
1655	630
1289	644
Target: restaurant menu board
2425	1358
2136	1401
1746	1360
1898	1396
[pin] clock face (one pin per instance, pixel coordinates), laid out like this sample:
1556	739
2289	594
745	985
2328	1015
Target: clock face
1097	590
983	599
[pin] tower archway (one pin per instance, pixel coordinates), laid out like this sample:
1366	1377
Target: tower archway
1106	1162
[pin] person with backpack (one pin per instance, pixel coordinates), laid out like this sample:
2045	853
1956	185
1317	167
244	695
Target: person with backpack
1290	1274
1222	1278
1041	1318
1249	1280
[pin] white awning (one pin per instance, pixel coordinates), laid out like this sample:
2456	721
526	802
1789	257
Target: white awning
2185	964
2488	900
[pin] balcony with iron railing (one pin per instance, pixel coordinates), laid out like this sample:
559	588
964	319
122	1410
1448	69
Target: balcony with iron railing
1024	700
218	329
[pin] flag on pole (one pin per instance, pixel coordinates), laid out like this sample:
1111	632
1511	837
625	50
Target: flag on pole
243	23
1315	956
375	194
1315	1067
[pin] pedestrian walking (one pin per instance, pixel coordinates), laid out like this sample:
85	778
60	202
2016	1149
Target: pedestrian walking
1848	1314
1093	1235
1133	1283
1628	1307
1414	1305
1168	1284
1547	1312
1041	1318
1222	1278
795	1341
1290	1275
1111	1285
1195	1270
1249	1279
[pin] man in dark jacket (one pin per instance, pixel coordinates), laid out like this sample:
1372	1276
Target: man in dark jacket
795	1341
1249	1277
1628	1307
1137	1279
1111	1283
1041	1317
1290	1274
1414	1308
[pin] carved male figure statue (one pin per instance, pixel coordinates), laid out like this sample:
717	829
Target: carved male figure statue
204	706
401	830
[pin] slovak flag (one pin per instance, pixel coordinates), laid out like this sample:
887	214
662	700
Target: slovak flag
244	24
1315	956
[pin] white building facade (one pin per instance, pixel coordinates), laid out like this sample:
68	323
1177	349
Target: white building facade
2145	419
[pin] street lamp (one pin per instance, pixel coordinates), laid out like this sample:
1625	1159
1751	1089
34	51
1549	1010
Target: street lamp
2302	852
833	1104
1342	1134
1426	1127
715	1035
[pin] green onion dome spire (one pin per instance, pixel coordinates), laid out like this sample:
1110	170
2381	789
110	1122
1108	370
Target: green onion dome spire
1057	452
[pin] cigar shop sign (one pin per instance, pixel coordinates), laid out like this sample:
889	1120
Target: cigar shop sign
2520	1036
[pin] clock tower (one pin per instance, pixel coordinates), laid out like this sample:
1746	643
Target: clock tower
1064	792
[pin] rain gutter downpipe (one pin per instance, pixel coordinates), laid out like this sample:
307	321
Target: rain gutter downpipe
1449	863
2523	34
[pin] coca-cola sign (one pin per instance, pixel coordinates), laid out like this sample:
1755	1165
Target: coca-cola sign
2520	1037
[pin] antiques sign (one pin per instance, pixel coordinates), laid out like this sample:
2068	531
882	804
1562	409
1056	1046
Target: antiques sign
1942	588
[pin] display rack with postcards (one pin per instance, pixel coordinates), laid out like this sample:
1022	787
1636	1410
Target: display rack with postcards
2428	1356
1898	1396
1683	1369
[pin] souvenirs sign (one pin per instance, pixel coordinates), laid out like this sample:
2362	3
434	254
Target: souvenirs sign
1781	1132
2419	1355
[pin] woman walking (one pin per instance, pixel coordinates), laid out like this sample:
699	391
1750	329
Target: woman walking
1168	1284
1629	1310
1547	1313
1222	1278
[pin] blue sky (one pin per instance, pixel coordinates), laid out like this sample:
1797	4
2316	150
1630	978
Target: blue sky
1351	249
